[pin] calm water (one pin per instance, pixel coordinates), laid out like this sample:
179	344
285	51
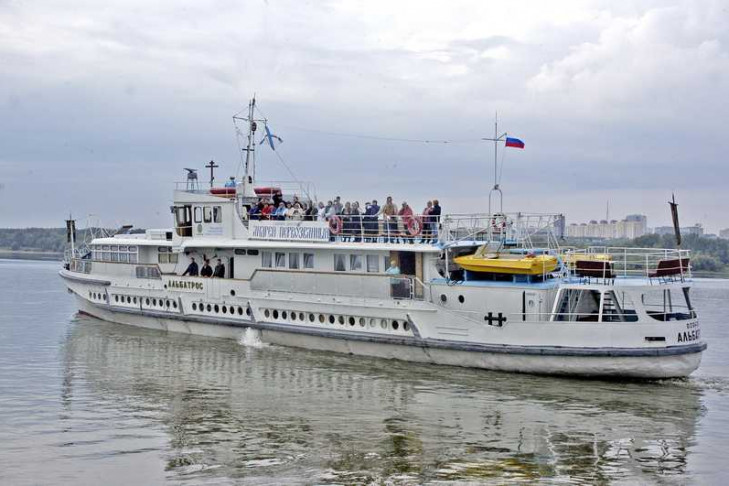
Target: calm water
87	402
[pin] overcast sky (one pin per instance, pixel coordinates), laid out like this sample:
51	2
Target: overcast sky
104	103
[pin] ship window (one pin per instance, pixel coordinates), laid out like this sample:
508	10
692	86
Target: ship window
339	263
373	264
207	214
294	261
280	260
252	252
217	214
618	307
308	260
266	259
578	305
198	214
668	304
165	255
355	263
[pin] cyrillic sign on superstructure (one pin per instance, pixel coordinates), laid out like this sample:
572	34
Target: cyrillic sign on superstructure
289	230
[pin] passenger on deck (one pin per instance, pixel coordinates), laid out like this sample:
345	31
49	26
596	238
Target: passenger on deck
330	211
206	270
266	211
311	212
192	269
338	208
405	214
347	230
371	225
295	213
427	222
389	211
321	215
435	220
219	269
255	211
230	182
280	213
356	222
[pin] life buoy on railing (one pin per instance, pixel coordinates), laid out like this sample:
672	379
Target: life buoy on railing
335	225
414	226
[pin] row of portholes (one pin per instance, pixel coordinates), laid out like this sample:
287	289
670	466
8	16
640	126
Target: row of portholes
149	302
217	309
444	298
98	296
386	324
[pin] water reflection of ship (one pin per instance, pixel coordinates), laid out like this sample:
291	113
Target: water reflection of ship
249	410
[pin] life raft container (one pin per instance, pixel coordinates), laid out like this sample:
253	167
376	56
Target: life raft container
267	191
222	191
335	225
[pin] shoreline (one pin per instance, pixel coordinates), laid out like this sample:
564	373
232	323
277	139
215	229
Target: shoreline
30	255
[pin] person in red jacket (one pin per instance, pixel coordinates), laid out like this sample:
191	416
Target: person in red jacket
266	211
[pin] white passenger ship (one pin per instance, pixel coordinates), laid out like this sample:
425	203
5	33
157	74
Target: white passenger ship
492	291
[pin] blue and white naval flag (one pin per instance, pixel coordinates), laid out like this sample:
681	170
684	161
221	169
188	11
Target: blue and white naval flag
269	137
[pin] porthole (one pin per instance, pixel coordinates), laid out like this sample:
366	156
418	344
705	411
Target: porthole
267	313
240	310
147	301
293	316
232	292
443	298
311	317
322	318
154	302
301	316
383	323
116	298
351	321
135	300
174	304
106	298
275	314
129	300
373	322
284	315
225	310
167	303
194	306
461	299
332	319
405	326
248	311
341	320
90	295
395	325
217	308
362	322
209	308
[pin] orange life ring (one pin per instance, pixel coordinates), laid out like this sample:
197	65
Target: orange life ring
414	226
335	225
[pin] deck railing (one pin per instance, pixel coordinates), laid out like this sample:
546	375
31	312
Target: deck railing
602	262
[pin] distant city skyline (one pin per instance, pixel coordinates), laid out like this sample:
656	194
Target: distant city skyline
105	103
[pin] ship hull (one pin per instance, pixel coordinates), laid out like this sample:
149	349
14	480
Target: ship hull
582	362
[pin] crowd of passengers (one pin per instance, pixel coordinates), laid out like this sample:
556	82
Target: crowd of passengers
353	222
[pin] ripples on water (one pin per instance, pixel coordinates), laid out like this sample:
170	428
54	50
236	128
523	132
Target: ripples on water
87	402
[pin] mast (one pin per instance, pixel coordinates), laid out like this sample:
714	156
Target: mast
250	165
251	146
496	190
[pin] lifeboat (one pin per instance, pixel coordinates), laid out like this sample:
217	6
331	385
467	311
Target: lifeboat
508	264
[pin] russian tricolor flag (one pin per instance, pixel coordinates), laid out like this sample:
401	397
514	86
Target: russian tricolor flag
514	142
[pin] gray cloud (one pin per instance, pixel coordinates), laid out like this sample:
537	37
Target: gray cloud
104	104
